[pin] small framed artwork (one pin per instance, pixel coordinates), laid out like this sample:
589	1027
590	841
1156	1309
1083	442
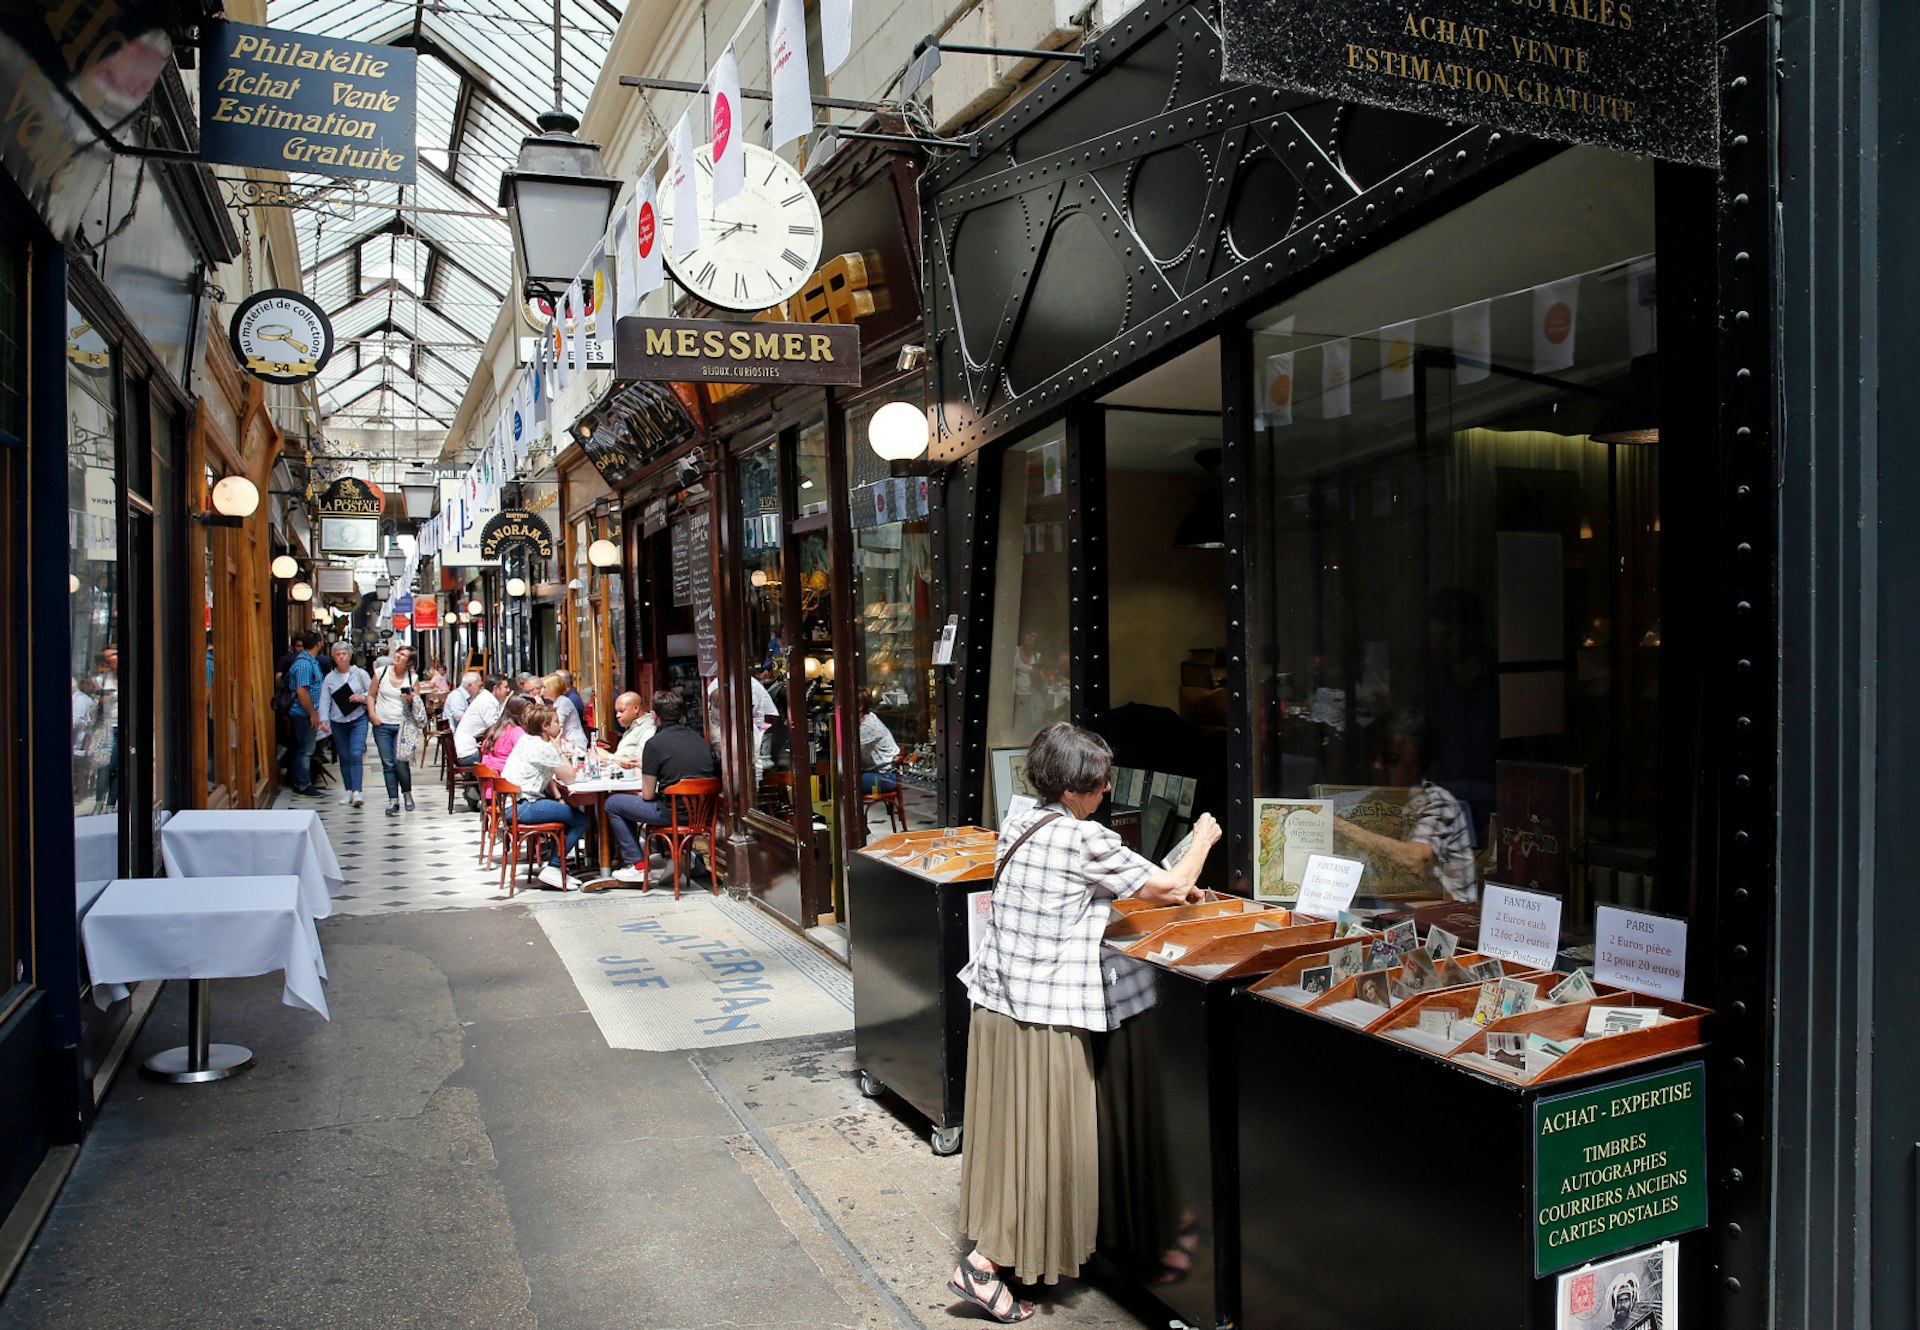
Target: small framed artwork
1009	779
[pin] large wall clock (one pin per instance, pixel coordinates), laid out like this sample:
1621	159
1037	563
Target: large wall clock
759	247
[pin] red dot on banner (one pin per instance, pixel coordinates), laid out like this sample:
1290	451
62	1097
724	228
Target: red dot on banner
722	125
644	230
1282	390
1559	322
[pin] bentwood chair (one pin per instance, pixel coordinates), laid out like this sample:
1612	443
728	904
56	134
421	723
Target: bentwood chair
695	805
533	836
489	810
894	801
458	777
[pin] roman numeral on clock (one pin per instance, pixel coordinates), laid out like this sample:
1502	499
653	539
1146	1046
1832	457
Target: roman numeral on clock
706	274
796	229
793	200
739	286
704	164
793	258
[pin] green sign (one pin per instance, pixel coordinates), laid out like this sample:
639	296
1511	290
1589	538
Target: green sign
1619	1166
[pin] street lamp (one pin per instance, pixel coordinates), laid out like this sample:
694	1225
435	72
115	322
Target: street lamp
898	432
418	492
559	198
516	586
396	561
284	566
603	553
475	608
300	591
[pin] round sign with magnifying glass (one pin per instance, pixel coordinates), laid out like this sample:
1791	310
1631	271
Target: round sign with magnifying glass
281	336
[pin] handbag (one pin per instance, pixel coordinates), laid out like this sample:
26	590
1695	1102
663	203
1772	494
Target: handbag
413	728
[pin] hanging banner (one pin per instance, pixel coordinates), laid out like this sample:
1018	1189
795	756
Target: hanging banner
787	58
290	101
281	336
836	34
626	264
685	193
1638	78
426	613
729	151
646	242
515	527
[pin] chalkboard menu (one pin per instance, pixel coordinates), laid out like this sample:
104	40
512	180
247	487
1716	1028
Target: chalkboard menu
682	585
699	528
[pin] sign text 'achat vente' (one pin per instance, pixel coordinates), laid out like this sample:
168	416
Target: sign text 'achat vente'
291	101
1634	75
730	351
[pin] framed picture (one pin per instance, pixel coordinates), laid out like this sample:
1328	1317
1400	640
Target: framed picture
1286	832
1009	779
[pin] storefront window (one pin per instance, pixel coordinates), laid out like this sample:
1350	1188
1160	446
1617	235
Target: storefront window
894	629
760	523
93	526
1029	685
1457	553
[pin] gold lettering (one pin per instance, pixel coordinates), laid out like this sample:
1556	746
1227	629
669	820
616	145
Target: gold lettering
689	343
739	345
794	344
659	341
713	345
766	346
822	347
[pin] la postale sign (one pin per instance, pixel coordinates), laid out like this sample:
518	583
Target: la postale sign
733	351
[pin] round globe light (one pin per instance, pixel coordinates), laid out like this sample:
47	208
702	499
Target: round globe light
898	432
516	586
758	577
284	566
300	591
603	553
235	496
475	608
813	667
73	584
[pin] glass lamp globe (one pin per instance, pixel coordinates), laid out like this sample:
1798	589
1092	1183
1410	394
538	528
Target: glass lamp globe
759	577
300	591
284	566
235	496
603	553
898	432
475	608
516	586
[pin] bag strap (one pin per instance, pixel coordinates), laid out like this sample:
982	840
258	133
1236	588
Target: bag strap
1014	849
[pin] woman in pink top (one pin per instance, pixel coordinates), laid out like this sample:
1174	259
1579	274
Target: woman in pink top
500	738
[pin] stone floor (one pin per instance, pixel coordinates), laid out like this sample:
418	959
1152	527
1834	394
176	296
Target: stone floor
460	1147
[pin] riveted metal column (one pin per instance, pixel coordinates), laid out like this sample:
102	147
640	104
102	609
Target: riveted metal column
1087	564
1237	386
970	507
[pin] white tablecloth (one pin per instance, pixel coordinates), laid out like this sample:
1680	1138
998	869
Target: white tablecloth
606	785
204	928
217	842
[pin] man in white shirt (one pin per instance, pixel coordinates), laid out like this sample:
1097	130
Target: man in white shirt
637	726
461	698
483	709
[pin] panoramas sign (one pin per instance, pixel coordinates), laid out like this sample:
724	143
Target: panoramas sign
281	336
1634	75
515	526
733	351
291	101
1618	1166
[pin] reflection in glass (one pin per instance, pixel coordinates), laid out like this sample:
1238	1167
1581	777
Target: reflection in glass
1029	682
93	614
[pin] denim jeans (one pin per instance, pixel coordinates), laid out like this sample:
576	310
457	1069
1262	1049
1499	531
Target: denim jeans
350	742
623	810
885	781
399	774
300	767
552	810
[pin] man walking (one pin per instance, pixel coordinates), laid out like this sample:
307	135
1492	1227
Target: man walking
674	753
304	676
482	711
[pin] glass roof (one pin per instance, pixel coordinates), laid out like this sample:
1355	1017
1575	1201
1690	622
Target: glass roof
414	276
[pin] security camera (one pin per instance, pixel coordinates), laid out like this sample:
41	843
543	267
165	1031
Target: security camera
687	472
911	357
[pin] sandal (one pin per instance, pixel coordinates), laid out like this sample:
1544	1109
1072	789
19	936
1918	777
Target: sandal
988	1292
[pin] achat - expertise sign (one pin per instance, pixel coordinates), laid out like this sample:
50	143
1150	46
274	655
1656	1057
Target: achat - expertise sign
1634	75
730	351
290	101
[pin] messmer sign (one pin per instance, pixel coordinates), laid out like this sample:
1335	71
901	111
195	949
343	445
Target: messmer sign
734	351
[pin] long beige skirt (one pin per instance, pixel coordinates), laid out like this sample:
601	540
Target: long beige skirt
1030	1177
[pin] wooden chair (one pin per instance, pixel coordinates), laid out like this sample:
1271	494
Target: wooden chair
489	810
515	833
695	805
893	800
458	777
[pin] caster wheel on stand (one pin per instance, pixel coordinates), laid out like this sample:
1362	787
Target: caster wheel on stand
870	1086
946	1141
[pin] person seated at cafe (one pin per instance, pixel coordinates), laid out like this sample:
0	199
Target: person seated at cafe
636	727
674	753
1438	841
878	751
536	762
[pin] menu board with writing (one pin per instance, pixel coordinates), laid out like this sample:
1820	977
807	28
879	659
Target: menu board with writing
682	586
699	527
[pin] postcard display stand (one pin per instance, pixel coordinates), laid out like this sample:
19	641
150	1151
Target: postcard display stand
1168	1107
1382	1184
908	901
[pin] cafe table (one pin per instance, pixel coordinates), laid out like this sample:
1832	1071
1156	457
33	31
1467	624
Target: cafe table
201	929
592	793
215	842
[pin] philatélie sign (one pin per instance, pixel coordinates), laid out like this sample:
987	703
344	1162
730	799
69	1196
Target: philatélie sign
281	336
291	101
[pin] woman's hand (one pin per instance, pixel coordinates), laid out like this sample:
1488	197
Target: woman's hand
1206	833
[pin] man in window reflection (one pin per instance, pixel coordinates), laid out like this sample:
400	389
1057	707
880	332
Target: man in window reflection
1438	843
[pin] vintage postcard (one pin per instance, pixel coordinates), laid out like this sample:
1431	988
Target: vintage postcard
1619	1020
1381	955
1552	1048
1486	970
1636	1291
1404	937
1508	1049
1440	943
1373	987
1437	1021
1347	961
1317	979
1517	996
1576	987
1286	832
1487	1010
1452	972
1401	989
1418	968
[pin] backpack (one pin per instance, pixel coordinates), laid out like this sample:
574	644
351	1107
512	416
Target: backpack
283	692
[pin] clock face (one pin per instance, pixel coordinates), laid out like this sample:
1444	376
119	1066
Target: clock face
756	249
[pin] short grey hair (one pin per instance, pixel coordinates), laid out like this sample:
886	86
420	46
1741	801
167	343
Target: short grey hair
470	678
1065	759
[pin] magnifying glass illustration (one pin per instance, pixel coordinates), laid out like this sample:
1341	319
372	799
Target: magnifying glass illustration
280	332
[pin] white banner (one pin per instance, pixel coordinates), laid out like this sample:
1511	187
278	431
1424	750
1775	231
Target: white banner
1276	396
1472	342
1397	346
836	33
729	149
686	196
577	327
646	241
626	264
1336	364
787	58
1556	308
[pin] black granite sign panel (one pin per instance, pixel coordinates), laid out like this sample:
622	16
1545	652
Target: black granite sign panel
1633	75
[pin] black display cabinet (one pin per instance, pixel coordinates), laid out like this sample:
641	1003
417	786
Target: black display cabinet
1381	1187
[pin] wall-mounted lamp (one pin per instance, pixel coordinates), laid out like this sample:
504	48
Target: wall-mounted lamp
396	562
475	608
284	566
603	553
234	500
898	432
300	591
516	586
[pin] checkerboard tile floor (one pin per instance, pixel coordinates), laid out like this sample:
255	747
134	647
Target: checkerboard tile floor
424	860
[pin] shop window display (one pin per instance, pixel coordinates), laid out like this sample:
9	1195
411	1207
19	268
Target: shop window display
93	529
760	521
1029	683
1457	637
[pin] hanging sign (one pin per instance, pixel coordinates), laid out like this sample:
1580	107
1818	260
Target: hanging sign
1619	74
401	623
515	526
349	516
736	351
640	423
281	336
290	101
426	613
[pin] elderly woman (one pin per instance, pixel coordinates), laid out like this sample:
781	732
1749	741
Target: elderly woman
1029	1182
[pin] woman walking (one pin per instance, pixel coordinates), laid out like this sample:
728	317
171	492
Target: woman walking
393	704
1029	1182
343	714
532	765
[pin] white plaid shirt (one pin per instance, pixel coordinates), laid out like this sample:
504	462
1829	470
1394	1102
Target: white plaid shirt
1040	959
